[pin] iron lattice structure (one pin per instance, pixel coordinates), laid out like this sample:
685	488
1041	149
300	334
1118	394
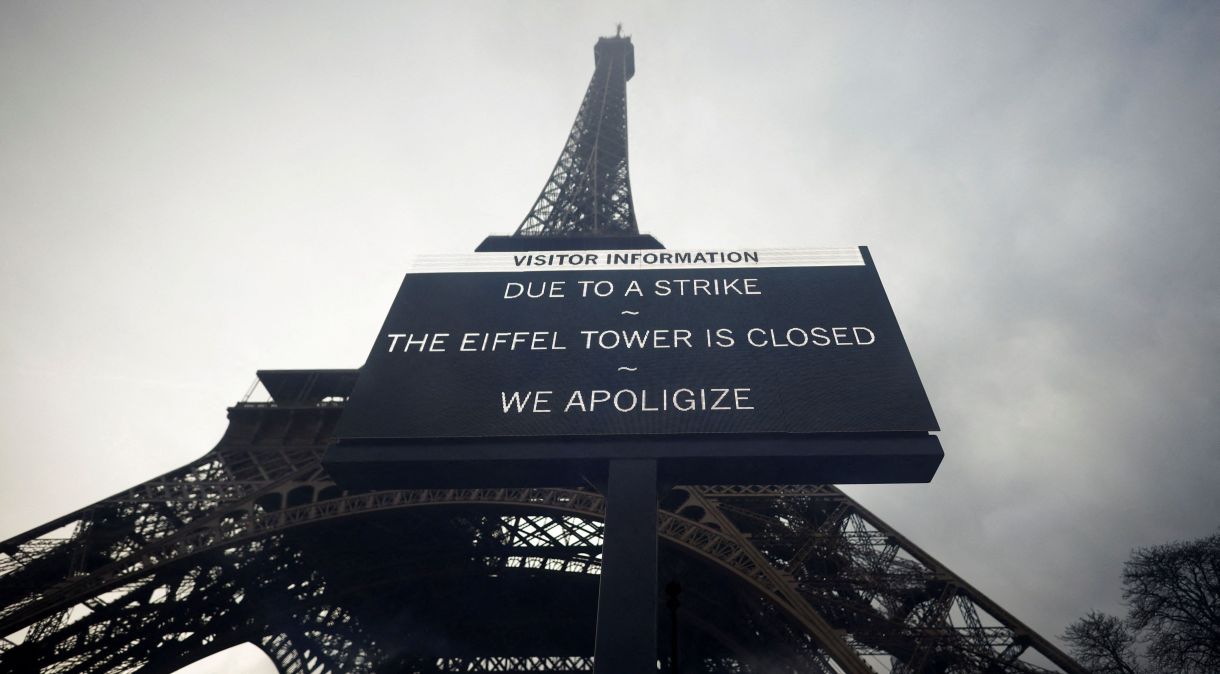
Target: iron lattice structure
255	543
589	191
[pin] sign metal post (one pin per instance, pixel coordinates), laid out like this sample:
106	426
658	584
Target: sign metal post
627	600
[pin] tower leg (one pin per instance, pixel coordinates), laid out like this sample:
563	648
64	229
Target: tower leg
627	603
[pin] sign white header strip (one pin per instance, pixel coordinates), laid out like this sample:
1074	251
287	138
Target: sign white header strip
607	260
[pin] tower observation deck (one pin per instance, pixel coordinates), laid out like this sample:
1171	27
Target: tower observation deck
255	542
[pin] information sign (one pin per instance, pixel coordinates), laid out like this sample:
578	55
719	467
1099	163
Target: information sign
639	345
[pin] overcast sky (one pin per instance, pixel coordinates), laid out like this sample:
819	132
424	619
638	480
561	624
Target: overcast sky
192	192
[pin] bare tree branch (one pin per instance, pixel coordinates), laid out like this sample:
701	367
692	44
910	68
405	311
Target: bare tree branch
1173	621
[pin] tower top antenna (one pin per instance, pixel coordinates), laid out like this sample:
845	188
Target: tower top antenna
589	190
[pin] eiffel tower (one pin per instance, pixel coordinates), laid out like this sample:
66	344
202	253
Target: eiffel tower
255	543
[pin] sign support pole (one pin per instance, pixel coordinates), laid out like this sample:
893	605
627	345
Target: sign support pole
626	638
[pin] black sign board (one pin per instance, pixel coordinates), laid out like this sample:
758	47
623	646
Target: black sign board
584	354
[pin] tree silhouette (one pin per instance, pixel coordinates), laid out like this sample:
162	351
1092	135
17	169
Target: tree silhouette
1172	592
